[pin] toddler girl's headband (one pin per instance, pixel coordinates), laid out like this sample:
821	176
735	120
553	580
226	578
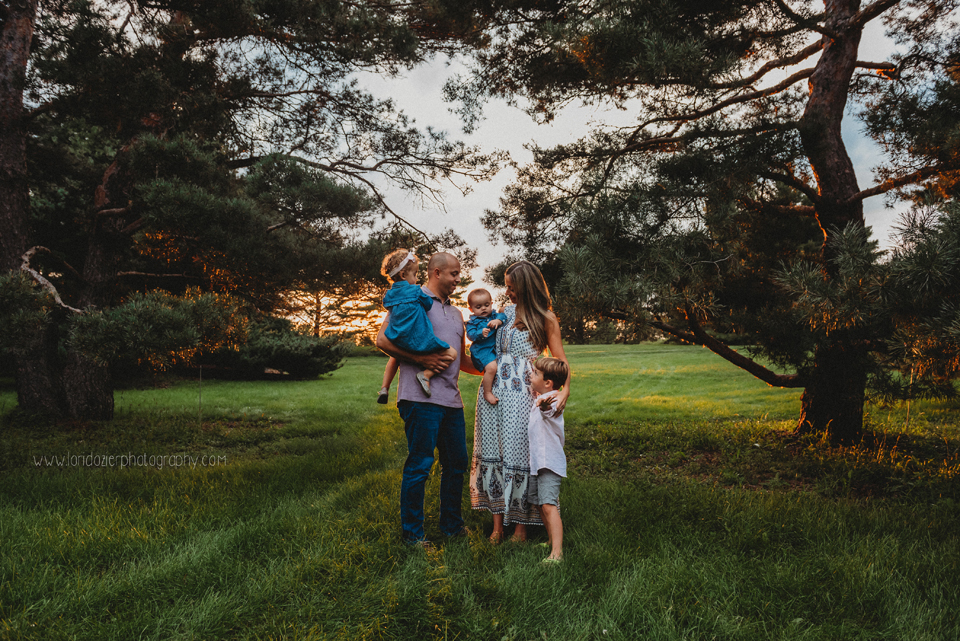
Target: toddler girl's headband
403	263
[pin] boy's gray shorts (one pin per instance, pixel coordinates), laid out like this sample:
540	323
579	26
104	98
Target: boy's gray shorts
544	488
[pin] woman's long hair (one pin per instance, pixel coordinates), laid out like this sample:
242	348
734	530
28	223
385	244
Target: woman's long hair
533	300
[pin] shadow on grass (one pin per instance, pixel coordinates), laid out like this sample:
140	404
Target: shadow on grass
764	456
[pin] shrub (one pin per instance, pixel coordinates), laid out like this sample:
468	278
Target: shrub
274	344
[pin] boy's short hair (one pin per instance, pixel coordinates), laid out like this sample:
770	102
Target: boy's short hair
391	261
553	370
478	292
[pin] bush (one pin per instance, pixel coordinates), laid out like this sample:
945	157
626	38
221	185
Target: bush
273	344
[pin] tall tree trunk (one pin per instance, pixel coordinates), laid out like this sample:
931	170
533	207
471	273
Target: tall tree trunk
38	376
88	389
833	401
14	196
87	385
47	383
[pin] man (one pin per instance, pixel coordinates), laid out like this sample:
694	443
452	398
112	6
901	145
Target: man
435	421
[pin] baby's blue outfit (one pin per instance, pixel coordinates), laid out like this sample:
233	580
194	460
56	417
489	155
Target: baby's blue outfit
410	329
483	350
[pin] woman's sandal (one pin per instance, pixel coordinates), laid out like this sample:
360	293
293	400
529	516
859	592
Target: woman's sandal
496	538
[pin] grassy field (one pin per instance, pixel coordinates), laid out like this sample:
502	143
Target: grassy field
688	515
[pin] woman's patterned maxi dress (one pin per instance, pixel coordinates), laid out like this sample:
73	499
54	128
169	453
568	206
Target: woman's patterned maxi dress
501	452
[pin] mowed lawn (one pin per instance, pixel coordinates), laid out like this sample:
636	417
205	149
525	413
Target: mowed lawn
689	514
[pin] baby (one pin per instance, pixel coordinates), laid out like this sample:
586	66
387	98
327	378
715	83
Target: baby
482	331
409	328
548	464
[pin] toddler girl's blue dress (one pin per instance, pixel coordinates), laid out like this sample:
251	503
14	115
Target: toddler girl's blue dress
410	329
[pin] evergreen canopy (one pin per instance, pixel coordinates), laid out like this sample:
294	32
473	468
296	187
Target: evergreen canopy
732	196
197	146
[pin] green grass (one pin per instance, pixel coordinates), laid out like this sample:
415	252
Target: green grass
688	515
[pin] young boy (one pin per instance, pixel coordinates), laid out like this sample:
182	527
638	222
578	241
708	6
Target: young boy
548	464
482	331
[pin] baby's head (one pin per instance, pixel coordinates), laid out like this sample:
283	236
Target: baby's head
400	264
480	302
548	374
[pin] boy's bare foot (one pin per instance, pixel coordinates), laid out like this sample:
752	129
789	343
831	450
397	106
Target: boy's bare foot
424	383
490	398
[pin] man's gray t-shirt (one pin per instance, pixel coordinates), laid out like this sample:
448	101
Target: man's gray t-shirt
447	324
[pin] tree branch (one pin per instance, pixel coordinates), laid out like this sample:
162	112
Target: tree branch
134	226
120	211
43	282
788	210
895	183
788	61
883	66
243	163
792	181
871	11
720	349
760	93
145	274
279	225
70	268
809	23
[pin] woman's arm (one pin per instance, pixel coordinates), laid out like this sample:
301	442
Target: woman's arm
555	345
466	364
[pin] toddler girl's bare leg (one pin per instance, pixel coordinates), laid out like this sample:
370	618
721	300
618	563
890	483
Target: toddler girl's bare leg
554	526
489	373
390	371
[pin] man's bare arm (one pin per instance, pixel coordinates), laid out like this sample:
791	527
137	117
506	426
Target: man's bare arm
436	362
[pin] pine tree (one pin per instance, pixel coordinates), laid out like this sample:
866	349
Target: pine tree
735	165
191	147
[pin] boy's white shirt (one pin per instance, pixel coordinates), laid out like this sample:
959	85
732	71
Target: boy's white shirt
545	433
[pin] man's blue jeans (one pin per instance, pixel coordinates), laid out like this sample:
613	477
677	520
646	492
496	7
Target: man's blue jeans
430	427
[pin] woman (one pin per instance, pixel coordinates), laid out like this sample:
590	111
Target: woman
501	454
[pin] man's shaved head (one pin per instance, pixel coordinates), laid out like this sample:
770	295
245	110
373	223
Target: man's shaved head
443	274
442	260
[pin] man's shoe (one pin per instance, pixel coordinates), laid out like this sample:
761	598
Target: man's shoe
383	396
464	531
422	544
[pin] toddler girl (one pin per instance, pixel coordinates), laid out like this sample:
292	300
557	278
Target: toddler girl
409	328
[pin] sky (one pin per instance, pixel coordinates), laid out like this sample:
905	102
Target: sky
418	93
